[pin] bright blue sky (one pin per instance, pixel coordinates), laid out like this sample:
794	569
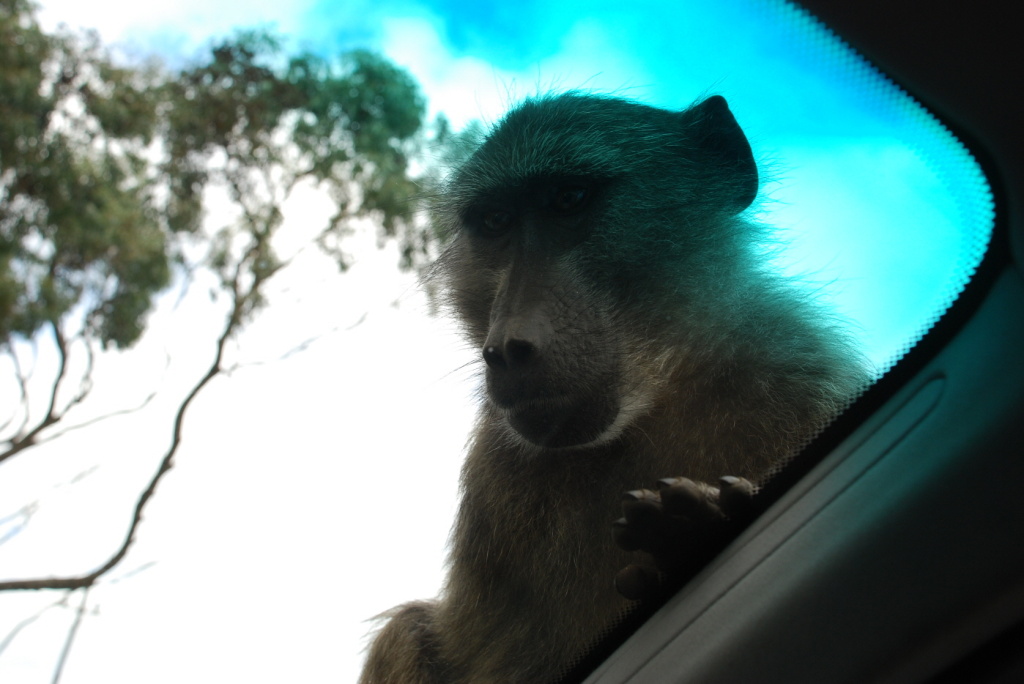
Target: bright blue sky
668	51
853	177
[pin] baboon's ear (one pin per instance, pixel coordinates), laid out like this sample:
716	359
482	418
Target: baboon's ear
722	148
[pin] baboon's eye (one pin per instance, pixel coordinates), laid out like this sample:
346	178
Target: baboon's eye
495	223
569	198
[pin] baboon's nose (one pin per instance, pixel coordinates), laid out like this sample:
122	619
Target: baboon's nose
513	352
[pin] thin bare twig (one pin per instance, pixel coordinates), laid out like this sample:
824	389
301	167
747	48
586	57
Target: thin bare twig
234	321
166	464
120	412
55	414
85	383
62	368
17	521
300	347
22	379
98	419
22	442
71	638
11	635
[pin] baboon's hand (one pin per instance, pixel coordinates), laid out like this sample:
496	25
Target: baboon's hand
682	525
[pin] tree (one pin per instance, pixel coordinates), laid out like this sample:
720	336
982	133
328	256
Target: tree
82	248
106	175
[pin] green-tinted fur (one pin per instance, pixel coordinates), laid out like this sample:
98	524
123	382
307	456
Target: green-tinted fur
720	366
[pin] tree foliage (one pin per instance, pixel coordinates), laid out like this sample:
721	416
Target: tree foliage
107	172
104	165
79	226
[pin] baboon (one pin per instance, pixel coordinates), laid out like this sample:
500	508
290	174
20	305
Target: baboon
630	329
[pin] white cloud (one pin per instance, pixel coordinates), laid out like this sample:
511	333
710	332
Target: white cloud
463	87
185	25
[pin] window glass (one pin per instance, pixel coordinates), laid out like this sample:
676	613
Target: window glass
343	421
875	202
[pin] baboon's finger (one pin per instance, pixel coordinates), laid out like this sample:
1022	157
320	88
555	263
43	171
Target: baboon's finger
626	537
736	497
636	582
642	507
681	496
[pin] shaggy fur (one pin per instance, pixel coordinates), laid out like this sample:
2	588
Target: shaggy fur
631	335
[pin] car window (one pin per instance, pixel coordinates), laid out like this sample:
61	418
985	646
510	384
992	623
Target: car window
345	401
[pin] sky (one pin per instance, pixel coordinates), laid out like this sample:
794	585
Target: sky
317	490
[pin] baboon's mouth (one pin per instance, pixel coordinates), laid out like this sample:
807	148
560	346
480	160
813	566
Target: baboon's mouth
561	422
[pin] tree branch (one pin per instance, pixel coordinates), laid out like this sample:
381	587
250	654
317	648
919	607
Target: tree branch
33	438
234	320
28	621
106	416
71	638
22	379
30	438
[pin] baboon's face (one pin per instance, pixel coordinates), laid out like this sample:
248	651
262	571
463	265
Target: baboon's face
553	359
571	224
526	281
